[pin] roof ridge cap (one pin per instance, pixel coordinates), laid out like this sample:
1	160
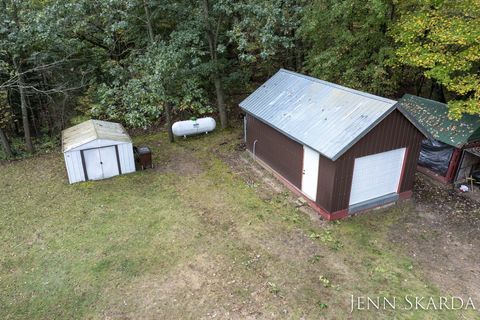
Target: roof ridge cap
340	87
95	128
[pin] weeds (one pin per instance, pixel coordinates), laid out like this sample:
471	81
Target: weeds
273	288
316	258
325	282
327	238
322	305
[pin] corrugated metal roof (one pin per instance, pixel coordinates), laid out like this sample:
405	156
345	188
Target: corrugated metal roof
432	117
324	116
91	130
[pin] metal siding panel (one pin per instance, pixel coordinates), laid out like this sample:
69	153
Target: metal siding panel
122	159
126	158
131	157
394	132
79	166
75	165
326	181
68	165
323	116
281	153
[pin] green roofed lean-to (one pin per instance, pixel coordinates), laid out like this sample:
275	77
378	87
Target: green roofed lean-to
432	117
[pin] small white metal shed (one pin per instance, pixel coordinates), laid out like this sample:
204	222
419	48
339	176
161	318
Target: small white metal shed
95	150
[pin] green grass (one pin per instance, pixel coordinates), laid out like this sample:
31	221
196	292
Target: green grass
191	241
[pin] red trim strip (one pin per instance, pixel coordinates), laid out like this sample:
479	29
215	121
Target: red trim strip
453	165
405	195
432	174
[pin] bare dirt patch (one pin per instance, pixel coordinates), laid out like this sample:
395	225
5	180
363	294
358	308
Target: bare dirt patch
207	287
182	162
182	291
443	236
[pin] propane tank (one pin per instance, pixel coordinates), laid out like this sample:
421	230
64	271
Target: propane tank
194	126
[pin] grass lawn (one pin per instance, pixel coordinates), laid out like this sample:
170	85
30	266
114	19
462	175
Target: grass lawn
199	236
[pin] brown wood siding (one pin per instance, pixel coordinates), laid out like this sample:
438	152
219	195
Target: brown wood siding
281	153
394	132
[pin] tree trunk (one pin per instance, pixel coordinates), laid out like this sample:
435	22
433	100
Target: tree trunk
441	93
148	21
222	110
33	118
23	106
5	144
168	113
432	84
211	36
420	85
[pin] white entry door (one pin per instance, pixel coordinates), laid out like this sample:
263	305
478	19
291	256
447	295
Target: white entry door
101	163
310	172
376	175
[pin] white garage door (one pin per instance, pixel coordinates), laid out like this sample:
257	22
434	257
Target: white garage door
376	175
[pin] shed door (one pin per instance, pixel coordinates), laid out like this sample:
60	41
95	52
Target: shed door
310	172
109	161
93	166
101	163
376	176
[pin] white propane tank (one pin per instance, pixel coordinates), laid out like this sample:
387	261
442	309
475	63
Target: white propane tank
190	127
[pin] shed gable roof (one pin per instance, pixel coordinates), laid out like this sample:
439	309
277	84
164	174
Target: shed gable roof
91	130
431	117
321	115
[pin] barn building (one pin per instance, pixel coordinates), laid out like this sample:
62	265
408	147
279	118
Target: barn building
95	150
345	150
451	151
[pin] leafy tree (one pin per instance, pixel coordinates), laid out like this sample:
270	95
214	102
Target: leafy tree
349	44
165	76
35	64
264	29
215	41
15	40
443	39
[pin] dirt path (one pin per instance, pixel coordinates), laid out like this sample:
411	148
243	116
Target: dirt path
443	237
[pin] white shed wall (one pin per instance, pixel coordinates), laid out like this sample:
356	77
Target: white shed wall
73	163
125	155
